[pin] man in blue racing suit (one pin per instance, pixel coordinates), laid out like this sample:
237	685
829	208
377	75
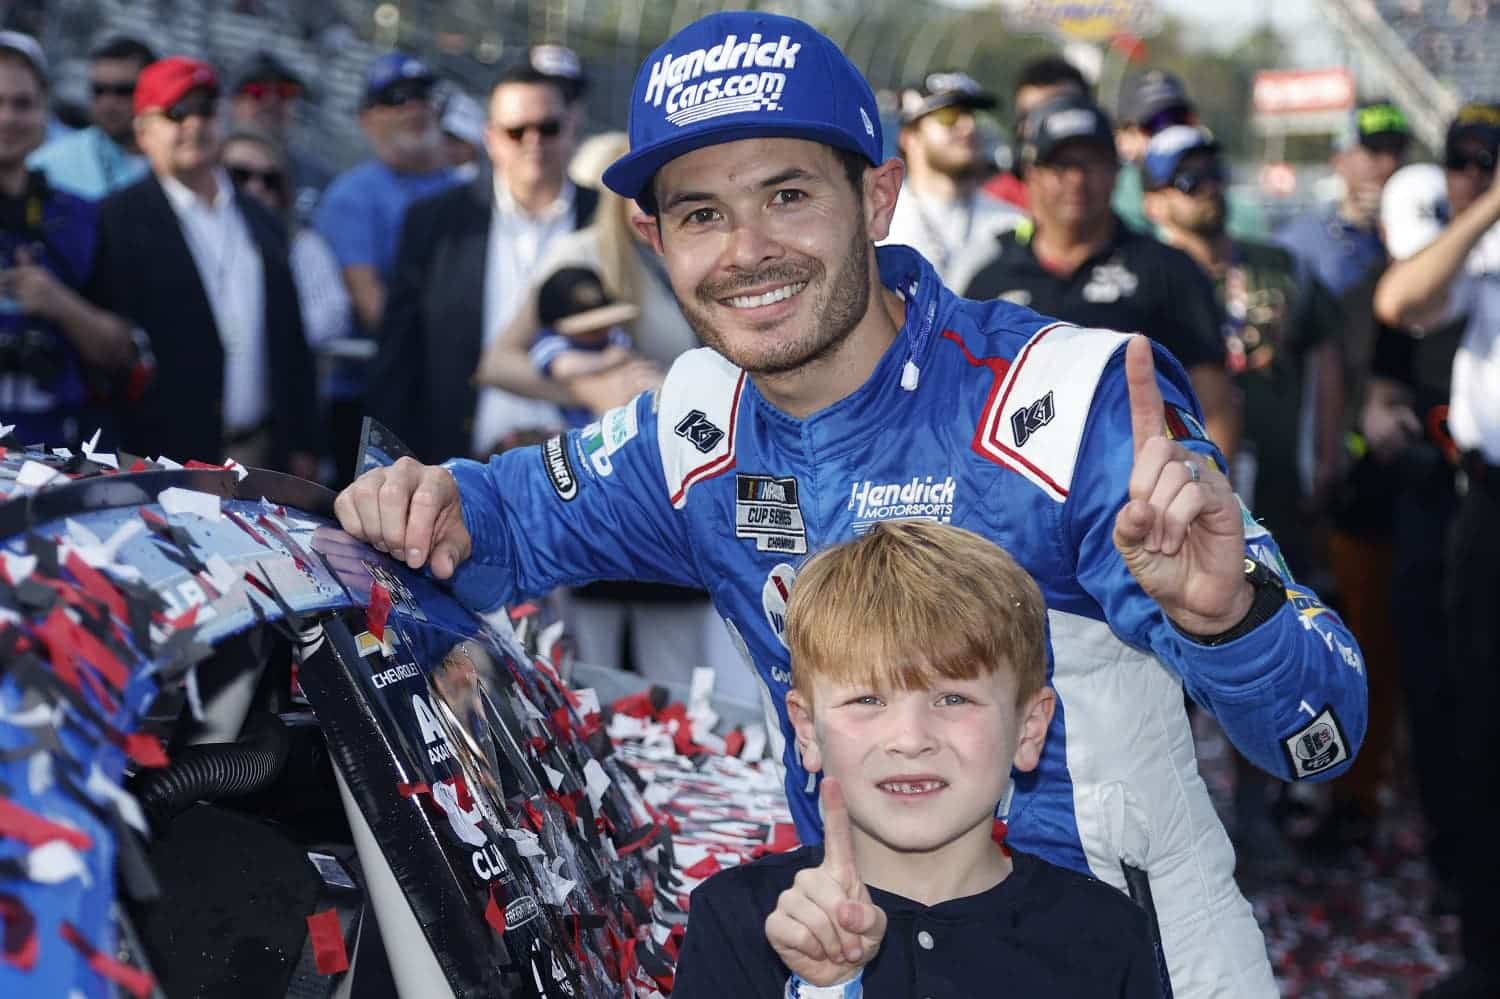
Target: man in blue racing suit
842	386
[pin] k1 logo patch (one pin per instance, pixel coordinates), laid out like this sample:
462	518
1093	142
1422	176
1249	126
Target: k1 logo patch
1029	419
1318	747
698	431
766	509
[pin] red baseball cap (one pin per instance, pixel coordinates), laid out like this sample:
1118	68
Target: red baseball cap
167	81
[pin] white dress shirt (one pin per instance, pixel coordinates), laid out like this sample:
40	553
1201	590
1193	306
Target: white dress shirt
947	232
233	276
518	241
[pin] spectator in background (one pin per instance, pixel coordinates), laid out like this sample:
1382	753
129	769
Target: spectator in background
1344	245
670	629
102	158
463	134
1441	282
942	212
59	354
257	166
1039	82
1079	262
265	97
1344	249
203	271
1156	100
361	214
465	266
1282	333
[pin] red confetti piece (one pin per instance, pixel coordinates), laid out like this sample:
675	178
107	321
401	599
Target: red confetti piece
133	980
734	743
145	749
562	723
533	816
407	790
378	611
139	466
328	942
195	463
494	913
21	824
18	941
98	586
186	619
707	866
635	705
57	633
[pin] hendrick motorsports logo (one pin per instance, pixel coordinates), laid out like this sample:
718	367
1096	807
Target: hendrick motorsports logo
675	79
918	499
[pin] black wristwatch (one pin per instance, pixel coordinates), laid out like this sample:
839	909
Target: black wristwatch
1270	594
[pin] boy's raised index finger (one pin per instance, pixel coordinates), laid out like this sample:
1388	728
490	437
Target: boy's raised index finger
1146	405
838	838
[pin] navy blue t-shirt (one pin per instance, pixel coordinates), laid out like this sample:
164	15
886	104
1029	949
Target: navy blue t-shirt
1043	931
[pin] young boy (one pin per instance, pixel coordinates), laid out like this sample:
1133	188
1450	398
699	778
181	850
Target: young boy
919	660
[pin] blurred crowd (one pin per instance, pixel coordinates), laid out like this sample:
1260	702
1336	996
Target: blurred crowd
182	277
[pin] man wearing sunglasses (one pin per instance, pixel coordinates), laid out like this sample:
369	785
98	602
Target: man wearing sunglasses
203	270
1282	322
1078	261
264	97
465	266
361	214
942	213
1456	275
102	158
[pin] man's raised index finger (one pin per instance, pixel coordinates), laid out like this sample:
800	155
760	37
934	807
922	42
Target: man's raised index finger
838	839
1146	404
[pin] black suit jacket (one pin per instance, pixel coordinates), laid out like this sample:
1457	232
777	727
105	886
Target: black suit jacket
431	334
145	272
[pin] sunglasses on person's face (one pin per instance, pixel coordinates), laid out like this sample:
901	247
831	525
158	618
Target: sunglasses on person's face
548	128
1192	181
398	94
112	89
239	176
950	115
199	105
1480	159
260	90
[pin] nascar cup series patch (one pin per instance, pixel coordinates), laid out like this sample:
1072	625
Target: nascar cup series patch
766	509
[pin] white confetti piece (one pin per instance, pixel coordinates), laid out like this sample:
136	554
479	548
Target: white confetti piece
55	862
101	788
18	567
553	776
175	499
35	475
527	842
597	782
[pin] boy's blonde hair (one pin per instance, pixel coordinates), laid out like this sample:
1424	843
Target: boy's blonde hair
910	603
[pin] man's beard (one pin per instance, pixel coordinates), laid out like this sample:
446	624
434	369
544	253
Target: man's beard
847	298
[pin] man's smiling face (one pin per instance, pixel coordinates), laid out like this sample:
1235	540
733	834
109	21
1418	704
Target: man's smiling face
768	248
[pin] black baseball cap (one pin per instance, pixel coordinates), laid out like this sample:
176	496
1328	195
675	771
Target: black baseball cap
1154	94
572	302
1477	122
944	90
264	67
1064	119
1378	125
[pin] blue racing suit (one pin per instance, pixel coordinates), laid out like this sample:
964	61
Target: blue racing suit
1003	422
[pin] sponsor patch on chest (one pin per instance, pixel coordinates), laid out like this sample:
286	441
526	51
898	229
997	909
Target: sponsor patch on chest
766	509
918	498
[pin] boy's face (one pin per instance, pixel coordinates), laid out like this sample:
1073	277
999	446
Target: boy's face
921	770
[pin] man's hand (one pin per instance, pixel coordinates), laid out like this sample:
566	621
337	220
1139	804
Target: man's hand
603	391
1180	534
33	287
410	510
825	928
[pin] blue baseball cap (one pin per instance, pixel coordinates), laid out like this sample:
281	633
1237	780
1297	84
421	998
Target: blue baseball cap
391	68
1167	148
741	75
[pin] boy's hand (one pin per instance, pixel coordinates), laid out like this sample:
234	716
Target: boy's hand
1181	533
825	928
